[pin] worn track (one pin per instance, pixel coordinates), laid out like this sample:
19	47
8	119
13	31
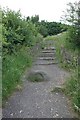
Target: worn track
36	99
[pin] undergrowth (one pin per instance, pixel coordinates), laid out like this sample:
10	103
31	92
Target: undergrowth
13	68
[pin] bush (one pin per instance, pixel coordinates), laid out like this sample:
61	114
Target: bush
73	38
73	17
17	31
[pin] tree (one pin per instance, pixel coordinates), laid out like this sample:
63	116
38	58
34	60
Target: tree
43	30
35	19
17	31
73	17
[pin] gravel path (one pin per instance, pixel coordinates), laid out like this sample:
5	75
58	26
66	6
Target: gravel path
36	100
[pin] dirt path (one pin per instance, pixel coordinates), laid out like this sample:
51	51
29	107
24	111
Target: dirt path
36	99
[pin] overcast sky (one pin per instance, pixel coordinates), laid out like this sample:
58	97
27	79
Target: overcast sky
50	10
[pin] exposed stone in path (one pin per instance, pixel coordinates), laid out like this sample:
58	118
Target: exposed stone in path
36	99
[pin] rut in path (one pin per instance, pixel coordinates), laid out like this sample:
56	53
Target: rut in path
36	99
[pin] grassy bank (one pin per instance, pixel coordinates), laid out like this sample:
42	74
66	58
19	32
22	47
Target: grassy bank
13	67
72	85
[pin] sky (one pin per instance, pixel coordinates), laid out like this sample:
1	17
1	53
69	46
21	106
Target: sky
50	10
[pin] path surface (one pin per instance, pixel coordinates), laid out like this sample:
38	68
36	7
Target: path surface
36	99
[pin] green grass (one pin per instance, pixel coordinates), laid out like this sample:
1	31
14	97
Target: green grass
13	68
72	89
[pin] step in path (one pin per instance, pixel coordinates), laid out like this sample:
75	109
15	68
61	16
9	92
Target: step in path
36	100
47	56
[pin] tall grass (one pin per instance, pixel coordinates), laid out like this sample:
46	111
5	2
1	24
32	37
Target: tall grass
73	89
13	68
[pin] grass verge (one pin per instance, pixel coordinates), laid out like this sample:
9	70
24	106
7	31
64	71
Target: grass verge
13	67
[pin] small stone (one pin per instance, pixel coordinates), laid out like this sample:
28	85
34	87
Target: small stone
20	111
51	109
42	113
56	115
49	100
37	76
11	114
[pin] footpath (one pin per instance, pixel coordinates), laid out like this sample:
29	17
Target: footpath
36	100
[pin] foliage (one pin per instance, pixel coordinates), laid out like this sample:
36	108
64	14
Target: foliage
36	77
54	28
16	31
73	17
13	67
73	38
73	89
43	30
19	38
35	19
51	28
47	28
